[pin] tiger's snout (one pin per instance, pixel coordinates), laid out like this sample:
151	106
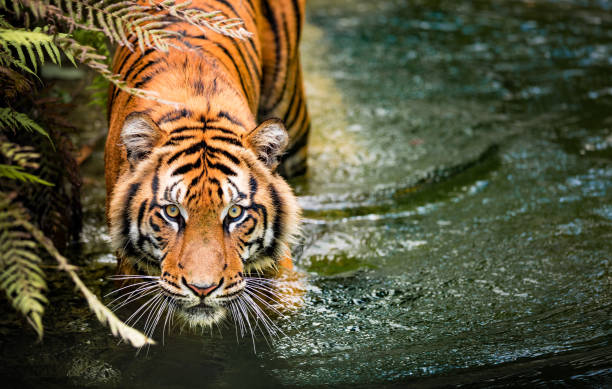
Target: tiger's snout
202	290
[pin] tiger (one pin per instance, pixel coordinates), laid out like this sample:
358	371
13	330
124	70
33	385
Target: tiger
197	196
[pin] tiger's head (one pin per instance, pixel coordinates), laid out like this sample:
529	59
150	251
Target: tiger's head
202	209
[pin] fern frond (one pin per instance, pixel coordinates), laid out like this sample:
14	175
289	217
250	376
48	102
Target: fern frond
11	119
7	60
123	21
17	173
20	274
35	43
23	156
3	22
104	315
88	56
213	20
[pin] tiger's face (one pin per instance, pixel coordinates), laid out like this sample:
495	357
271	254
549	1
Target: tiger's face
202	209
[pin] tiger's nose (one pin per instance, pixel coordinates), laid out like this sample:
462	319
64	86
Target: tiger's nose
203	290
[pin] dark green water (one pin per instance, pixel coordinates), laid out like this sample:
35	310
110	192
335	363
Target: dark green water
458	213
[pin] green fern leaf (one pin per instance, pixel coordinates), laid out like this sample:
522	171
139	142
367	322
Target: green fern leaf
23	156
21	277
11	119
16	173
31	42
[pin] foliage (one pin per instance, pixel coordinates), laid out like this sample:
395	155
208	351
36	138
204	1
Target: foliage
34	158
21	276
35	42
10	119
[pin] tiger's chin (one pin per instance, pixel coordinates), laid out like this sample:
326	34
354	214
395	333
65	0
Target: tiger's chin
202	316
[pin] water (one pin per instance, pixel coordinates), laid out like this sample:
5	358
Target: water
458	213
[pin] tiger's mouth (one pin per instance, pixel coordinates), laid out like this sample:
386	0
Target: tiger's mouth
202	313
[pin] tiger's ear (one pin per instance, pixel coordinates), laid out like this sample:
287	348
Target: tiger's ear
139	135
269	141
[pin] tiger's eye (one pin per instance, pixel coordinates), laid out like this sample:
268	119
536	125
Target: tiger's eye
172	211
234	211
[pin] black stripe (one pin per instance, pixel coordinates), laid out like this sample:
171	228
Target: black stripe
219	166
241	195
267	12
252	187
278	205
119	70
298	122
134	66
220	193
264	215
143	81
235	41
125	219
250	9
286	70
169	190
220	129
155	184
299	142
252	228
298	20
178	130
214	150
173	141
195	148
216	182
291	104
233	141
231	119
174	116
231	58
299	107
187	167
141	211
194	182
153	225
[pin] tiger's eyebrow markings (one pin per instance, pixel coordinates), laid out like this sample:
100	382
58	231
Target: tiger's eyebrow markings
193	149
173	140
173	116
169	190
178	130
221	167
187	167
231	119
214	150
220	129
233	141
238	195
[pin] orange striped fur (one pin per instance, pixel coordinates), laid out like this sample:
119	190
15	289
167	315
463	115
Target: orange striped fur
195	192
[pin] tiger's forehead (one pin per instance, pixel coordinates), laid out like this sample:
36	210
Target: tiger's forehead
204	187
